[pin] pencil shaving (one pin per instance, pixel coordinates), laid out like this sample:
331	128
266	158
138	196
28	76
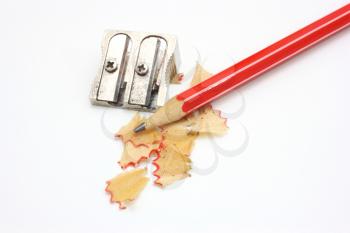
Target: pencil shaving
172	144
127	186
126	133
171	165
208	121
133	155
182	146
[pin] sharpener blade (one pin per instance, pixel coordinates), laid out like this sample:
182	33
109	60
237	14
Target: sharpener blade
117	54
151	57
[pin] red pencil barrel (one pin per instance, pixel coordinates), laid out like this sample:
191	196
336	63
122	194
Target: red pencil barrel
264	60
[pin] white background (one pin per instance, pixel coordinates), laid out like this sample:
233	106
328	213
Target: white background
55	157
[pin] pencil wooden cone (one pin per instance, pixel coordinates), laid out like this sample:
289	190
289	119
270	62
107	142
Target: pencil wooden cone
170	112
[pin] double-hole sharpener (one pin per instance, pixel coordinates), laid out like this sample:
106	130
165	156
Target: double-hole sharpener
136	70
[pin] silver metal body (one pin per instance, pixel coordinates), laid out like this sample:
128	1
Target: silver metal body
136	70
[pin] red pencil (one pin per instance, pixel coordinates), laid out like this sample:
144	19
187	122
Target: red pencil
247	69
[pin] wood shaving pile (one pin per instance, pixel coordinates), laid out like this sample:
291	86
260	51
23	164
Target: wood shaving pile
171	146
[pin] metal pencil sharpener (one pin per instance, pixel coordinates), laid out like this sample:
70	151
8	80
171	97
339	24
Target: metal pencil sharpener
136	70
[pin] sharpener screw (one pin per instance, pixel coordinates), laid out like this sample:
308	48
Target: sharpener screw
111	65
141	69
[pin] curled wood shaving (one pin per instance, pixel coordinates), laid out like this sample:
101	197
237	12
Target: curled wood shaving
208	121
182	146
126	186
172	144
133	155
126	132
171	165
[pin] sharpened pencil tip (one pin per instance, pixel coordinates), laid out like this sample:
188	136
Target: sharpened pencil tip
140	127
